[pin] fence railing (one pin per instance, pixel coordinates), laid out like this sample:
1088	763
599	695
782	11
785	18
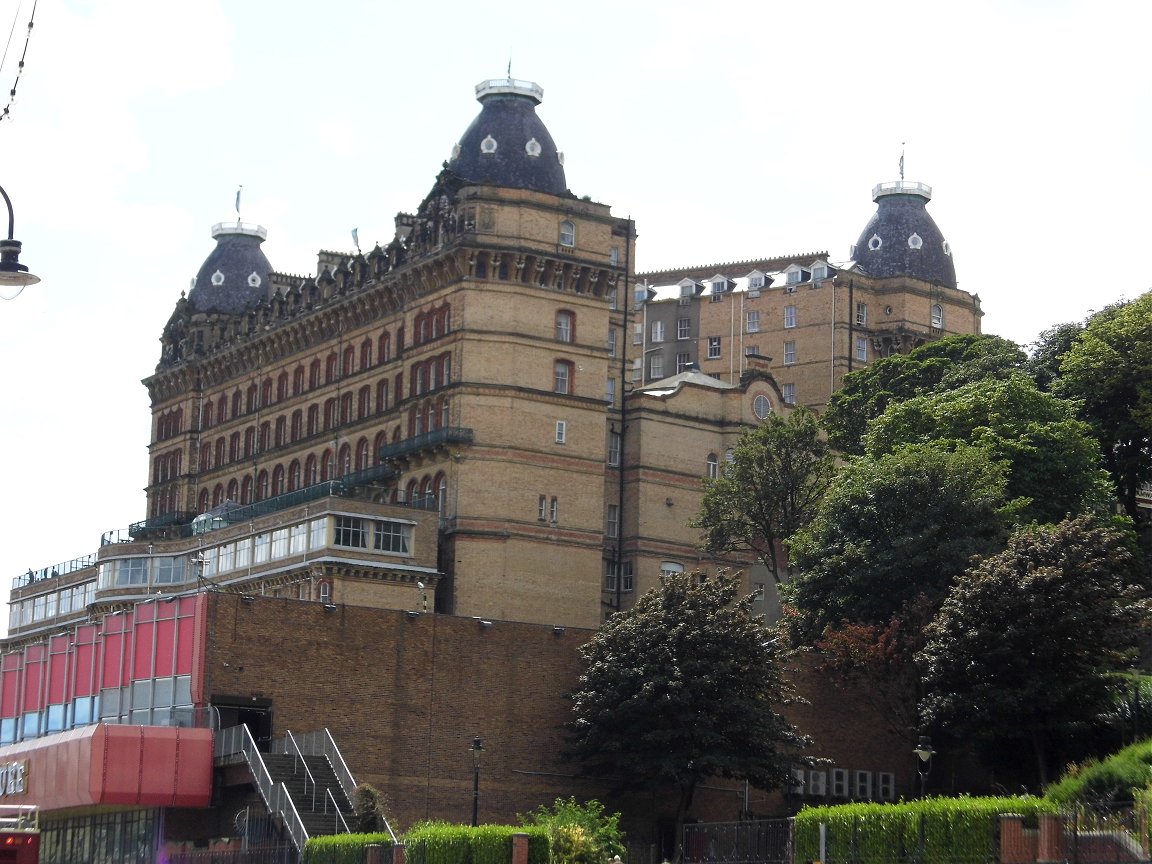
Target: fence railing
282	854
238	740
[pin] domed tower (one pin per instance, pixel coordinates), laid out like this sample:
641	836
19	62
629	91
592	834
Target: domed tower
234	277
507	144
901	238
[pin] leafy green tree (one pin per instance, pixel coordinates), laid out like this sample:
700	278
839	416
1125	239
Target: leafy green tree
769	490
1109	370
579	832
892	528
933	367
1027	640
1052	460
1047	352
685	685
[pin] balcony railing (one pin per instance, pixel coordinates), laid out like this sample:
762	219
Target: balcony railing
53	571
427	441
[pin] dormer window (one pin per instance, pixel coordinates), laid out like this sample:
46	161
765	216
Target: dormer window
756	280
793	277
819	271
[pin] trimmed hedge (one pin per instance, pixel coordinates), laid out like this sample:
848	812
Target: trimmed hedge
441	843
1113	780
343	848
930	831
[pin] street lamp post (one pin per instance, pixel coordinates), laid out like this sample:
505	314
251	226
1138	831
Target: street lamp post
924	754
13	274
477	749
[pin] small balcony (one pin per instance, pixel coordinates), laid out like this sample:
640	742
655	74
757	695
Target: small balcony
437	439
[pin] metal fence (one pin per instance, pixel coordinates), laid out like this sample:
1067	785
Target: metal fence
757	841
285	854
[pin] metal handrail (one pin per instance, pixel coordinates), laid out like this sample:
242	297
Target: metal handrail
239	740
299	760
336	809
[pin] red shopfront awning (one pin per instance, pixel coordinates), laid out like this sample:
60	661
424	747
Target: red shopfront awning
152	766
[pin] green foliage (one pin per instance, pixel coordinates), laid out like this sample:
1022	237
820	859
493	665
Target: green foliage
368	810
935	367
683	686
1027	640
1112	780
342	848
579	833
1052	460
932	830
443	843
1047	353
770	489
890	530
1109	370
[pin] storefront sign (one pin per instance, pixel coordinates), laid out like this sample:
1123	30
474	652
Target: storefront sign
13	778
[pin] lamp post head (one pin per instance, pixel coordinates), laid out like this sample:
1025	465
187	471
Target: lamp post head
477	749
924	749
13	274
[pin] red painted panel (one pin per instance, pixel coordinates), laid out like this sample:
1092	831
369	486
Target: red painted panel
9	688
188	646
165	648
33	676
58	674
148	766
111	654
142	650
84	671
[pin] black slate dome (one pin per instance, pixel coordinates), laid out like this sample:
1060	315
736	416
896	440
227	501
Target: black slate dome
507	144
234	278
901	239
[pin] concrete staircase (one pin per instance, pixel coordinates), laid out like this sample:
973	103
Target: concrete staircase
312	785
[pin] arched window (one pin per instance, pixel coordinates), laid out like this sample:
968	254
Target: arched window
297	428
266	393
366	354
233	490
330	368
937	316
298	381
445	370
362	455
426	495
209	411
206	457
326	466
346	408
222	408
281	426
249	441
294	475
310	477
234	447
313	419
441	483
349	365
385	352
282	387
218	495
253	398
382	396
411	491
218	458
713	466
314	375
565	326
246	490
261	485
237	403
330	413
203	501
421	329
278	480
380	441
568	233
670	568
265	435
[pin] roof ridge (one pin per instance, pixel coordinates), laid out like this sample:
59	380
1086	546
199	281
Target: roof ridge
720	266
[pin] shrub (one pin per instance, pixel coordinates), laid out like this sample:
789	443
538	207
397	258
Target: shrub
342	848
1110	781
578	833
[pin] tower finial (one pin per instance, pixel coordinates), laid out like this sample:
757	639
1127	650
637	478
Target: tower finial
509	64
902	160
238	190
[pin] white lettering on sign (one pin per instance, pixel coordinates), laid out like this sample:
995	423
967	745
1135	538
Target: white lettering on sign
13	778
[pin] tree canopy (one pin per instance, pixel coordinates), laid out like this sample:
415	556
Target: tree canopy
1052	459
684	686
1025	640
1109	370
933	367
891	529
769	490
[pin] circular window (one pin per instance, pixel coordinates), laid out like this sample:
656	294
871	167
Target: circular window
254	279
455	151
947	248
217	278
533	148
915	242
488	145
761	407
875	242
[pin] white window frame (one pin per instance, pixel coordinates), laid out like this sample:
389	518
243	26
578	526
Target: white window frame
862	349
789	353
789	317
789	393
937	316
839	782
683	328
862	785
683	361
568	233
561	431
612	521
861	314
614	442
886	786
657	331
752	321
655	367
565	325
714	347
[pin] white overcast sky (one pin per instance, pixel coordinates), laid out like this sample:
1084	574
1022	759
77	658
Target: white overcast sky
727	130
